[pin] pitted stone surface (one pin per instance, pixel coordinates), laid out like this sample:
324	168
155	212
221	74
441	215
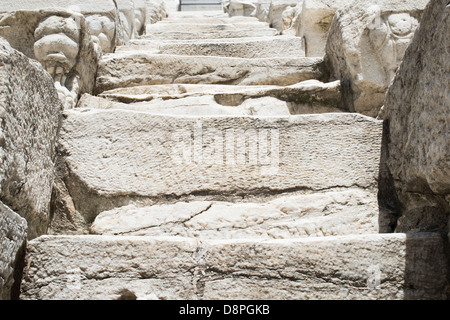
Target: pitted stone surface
380	266
13	233
114	153
128	69
30	117
259	47
365	45
334	212
417	108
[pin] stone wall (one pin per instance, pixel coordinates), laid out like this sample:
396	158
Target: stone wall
30	117
13	232
417	110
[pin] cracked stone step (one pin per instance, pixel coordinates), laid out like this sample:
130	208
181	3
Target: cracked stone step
263	47
117	157
204	105
130	69
323	213
306	97
376	266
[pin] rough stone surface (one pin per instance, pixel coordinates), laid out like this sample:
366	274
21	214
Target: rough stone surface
365	45
245	8
102	16
38	33
126	20
417	108
130	69
302	98
30	116
389	266
314	22
165	26
13	234
262	47
337	212
111	155
205	105
276	9
217	34
156	11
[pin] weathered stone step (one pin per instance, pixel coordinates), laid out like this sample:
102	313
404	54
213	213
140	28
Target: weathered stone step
204	105
117	157
219	14
129	69
209	20
377	266
327	93
263	47
203	27
323	213
189	35
303	98
200	7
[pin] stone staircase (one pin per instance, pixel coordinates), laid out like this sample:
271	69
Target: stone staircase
213	163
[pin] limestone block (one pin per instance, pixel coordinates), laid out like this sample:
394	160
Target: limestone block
315	19
333	212
205	105
156	11
61	42
259	47
112	155
140	17
128	69
290	19
13	233
365	46
379	266
417	109
213	34
165	26
30	117
262	10
127	20
101	16
302	98
245	8
276	9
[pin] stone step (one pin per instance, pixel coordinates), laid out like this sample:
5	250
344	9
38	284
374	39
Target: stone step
129	69
219	14
190	35
375	266
221	18
263	47
306	97
203	27
200	7
118	157
204	105
341	211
